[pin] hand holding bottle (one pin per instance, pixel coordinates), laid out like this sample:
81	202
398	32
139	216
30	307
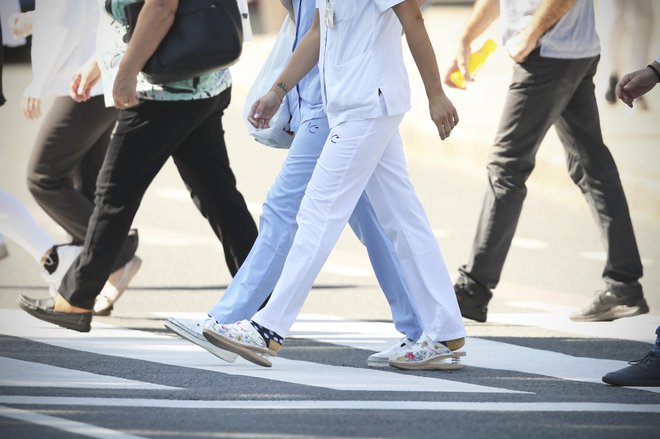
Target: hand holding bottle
466	64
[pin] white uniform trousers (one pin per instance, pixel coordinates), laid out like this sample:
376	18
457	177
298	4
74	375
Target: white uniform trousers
365	155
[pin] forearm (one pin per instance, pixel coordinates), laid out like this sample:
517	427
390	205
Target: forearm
155	20
483	15
420	46
303	59
547	15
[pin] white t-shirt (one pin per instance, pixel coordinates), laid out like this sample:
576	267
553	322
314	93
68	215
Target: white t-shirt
361	59
573	36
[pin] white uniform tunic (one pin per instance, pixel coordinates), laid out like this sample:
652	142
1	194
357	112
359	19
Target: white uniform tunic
360	59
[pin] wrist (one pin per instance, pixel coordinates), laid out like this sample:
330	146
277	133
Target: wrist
280	90
655	67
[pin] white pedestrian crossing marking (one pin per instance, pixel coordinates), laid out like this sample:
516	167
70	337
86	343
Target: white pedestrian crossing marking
67	425
18	373
109	340
570	407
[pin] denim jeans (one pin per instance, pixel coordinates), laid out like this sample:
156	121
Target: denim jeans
261	270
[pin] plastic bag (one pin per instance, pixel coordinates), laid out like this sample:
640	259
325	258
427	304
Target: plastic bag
279	134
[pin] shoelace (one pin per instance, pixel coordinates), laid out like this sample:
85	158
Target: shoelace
643	361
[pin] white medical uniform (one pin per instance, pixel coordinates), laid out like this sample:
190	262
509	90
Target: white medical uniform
366	93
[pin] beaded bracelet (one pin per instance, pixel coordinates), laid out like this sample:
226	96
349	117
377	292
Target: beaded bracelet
650	66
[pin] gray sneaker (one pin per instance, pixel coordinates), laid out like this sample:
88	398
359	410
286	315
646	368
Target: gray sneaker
382	358
191	330
607	306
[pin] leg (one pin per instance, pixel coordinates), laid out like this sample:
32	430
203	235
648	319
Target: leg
540	90
18	225
382	254
259	273
592	168
68	133
349	156
404	221
145	137
203	164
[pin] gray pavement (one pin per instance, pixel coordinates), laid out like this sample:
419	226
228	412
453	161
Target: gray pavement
530	370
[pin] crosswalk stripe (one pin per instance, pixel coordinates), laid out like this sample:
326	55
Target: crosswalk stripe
18	373
480	352
109	340
74	427
334	405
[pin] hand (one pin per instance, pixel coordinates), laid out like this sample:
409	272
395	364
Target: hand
264	109
84	80
460	62
31	107
21	24
636	84
124	91
520	45
444	115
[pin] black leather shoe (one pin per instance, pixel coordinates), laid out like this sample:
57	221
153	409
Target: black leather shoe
43	310
472	298
644	372
607	306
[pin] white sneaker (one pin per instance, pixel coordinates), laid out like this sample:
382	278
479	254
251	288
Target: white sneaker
382	358
427	354
241	338
61	257
191	330
110	293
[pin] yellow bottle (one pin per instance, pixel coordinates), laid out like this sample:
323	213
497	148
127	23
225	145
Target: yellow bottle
475	62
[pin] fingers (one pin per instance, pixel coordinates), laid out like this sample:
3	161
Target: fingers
622	92
31	107
447	123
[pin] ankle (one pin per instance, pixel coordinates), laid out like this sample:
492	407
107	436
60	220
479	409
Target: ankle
62	305
455	344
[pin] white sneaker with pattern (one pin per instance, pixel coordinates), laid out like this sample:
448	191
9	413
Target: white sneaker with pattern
191	330
382	358
427	354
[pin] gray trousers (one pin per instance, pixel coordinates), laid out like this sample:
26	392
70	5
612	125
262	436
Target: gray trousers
66	160
543	92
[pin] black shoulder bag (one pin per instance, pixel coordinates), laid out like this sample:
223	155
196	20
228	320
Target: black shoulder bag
206	36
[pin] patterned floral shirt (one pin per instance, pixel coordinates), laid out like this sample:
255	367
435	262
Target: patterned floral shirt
111	47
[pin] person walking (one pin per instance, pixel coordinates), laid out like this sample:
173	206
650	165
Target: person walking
365	90
182	120
556	50
646	371
72	141
259	273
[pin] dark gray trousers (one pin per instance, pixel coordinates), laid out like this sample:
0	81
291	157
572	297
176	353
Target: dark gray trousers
66	160
543	92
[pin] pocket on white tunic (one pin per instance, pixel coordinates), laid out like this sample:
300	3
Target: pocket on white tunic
352	86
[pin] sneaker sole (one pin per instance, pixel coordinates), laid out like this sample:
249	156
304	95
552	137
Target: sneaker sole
378	364
437	363
614	313
185	333
624	383
251	354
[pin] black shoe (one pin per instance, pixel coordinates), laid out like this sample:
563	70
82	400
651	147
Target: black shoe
43	310
607	306
644	372
472	298
610	95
